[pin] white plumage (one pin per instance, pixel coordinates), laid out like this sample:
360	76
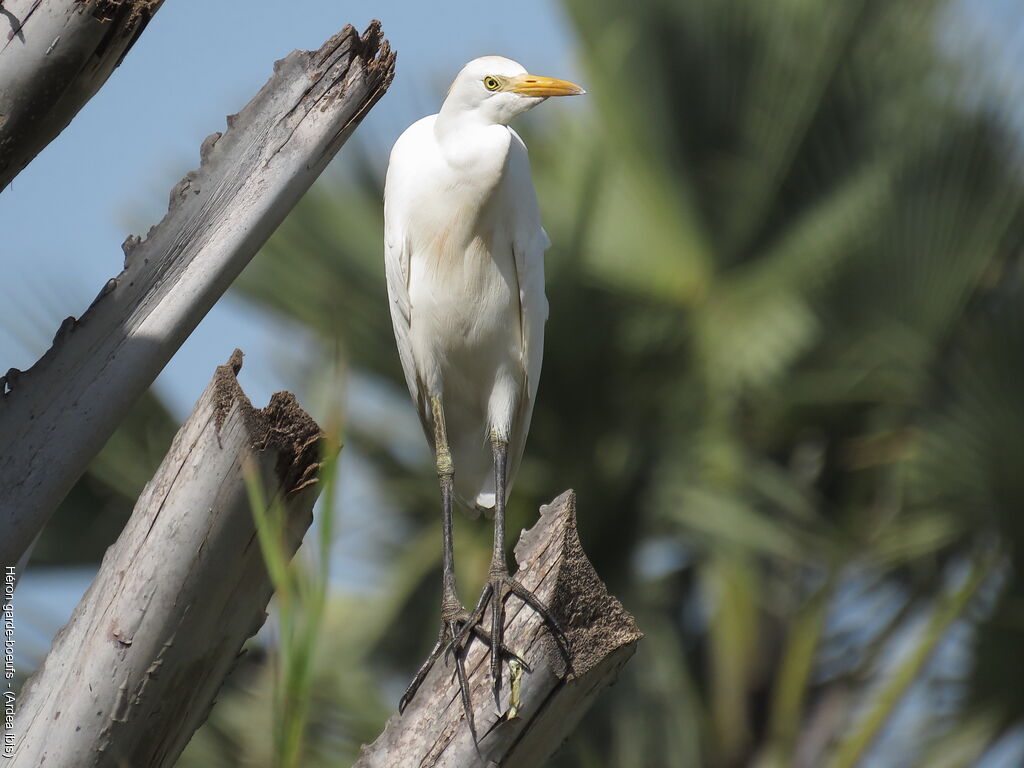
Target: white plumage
464	254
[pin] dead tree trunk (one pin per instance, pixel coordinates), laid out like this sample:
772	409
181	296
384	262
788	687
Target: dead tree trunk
54	56
136	669
56	416
433	733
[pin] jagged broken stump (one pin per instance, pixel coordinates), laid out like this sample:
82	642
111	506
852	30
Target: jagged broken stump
432	733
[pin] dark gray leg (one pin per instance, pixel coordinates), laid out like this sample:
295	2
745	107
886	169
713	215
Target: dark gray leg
455	626
453	615
500	584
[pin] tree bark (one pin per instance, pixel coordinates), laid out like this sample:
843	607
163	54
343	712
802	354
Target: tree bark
55	56
57	415
433	733
136	669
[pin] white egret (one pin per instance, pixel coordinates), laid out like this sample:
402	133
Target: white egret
464	256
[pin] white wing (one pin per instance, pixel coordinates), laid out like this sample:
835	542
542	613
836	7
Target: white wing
397	256
529	243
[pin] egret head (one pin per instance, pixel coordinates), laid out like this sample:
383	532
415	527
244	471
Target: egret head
497	89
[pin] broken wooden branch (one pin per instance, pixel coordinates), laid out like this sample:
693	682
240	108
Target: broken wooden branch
136	669
55	55
433	733
56	416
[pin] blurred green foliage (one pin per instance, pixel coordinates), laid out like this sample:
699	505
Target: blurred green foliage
784	370
300	593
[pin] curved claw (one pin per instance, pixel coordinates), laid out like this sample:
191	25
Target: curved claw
472	623
506	652
460	671
421	673
452	642
495	592
447	639
561	639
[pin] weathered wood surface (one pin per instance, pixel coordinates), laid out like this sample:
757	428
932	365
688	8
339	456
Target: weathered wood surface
54	56
433	733
136	669
57	415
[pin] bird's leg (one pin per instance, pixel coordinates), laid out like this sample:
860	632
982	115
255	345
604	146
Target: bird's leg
455	626
500	584
453	615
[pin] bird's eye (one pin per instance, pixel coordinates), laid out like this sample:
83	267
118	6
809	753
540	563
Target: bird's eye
491	83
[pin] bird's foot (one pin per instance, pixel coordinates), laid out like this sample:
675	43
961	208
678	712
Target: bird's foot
453	639
499	586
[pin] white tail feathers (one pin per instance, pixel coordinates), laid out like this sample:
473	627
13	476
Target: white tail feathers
485	503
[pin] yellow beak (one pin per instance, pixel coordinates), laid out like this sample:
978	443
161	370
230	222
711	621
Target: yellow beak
535	85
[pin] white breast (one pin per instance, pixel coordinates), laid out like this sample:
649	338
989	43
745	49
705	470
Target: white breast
459	213
462	286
